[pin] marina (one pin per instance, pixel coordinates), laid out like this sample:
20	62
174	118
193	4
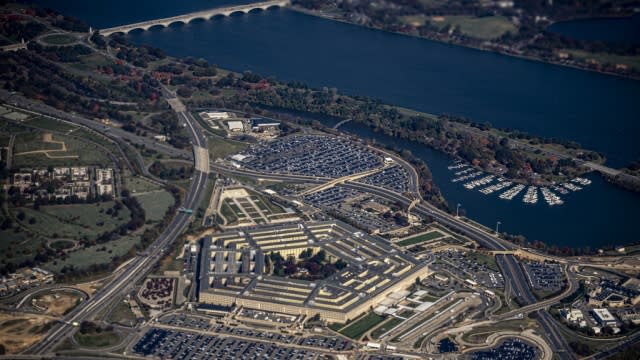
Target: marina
551	198
531	197
483	181
476	178
496	187
511	193
467	177
571	187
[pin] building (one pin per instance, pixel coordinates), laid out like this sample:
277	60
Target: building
604	317
262	125
573	315
232	271
235	126
215	115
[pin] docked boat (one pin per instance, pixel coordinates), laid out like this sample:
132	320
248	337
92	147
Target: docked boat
511	193
531	196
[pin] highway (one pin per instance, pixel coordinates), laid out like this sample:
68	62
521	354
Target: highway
142	263
508	263
139	267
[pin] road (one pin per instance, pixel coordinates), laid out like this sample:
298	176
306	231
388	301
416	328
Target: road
137	269
508	263
144	262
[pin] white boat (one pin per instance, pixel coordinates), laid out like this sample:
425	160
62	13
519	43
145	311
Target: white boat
511	193
551	198
531	197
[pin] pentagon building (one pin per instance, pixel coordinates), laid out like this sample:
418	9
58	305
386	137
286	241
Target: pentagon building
232	270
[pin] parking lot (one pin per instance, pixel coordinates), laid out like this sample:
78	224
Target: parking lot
394	178
186	321
511	349
170	344
457	263
355	206
202	323
326	156
544	276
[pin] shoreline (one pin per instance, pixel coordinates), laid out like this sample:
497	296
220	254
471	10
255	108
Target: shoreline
479	48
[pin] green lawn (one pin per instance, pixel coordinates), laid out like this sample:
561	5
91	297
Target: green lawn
97	254
359	327
74	221
155	204
485	28
220	148
484	259
123	315
98	340
386	326
83	153
605	58
59	39
49	124
421	238
138	184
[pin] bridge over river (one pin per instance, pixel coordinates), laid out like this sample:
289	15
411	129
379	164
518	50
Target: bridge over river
203	15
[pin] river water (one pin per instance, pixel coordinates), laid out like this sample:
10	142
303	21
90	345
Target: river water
601	112
613	30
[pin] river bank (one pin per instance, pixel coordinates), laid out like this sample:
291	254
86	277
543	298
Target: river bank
488	47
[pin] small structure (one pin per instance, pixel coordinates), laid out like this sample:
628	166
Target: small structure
604	317
215	115
235	126
262	125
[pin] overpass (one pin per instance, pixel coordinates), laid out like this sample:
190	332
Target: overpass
187	18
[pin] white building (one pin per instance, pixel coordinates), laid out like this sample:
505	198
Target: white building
235	125
216	115
574	315
604	317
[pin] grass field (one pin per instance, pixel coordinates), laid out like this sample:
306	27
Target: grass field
421	238
103	339
228	212
97	254
155	203
123	315
138	184
75	221
219	147
484	259
49	124
485	28
386	326
59	39
604	58
82	153
359	327
480	334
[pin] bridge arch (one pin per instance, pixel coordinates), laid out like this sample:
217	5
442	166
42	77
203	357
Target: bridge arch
179	21
241	12
204	15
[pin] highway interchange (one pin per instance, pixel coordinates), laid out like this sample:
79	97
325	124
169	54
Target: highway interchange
136	269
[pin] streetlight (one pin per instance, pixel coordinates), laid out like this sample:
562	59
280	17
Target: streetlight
457	210
497	226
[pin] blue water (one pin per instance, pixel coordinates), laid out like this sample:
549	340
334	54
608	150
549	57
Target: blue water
612	30
599	215
102	14
601	112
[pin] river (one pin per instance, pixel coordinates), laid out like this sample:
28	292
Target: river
599	111
614	30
